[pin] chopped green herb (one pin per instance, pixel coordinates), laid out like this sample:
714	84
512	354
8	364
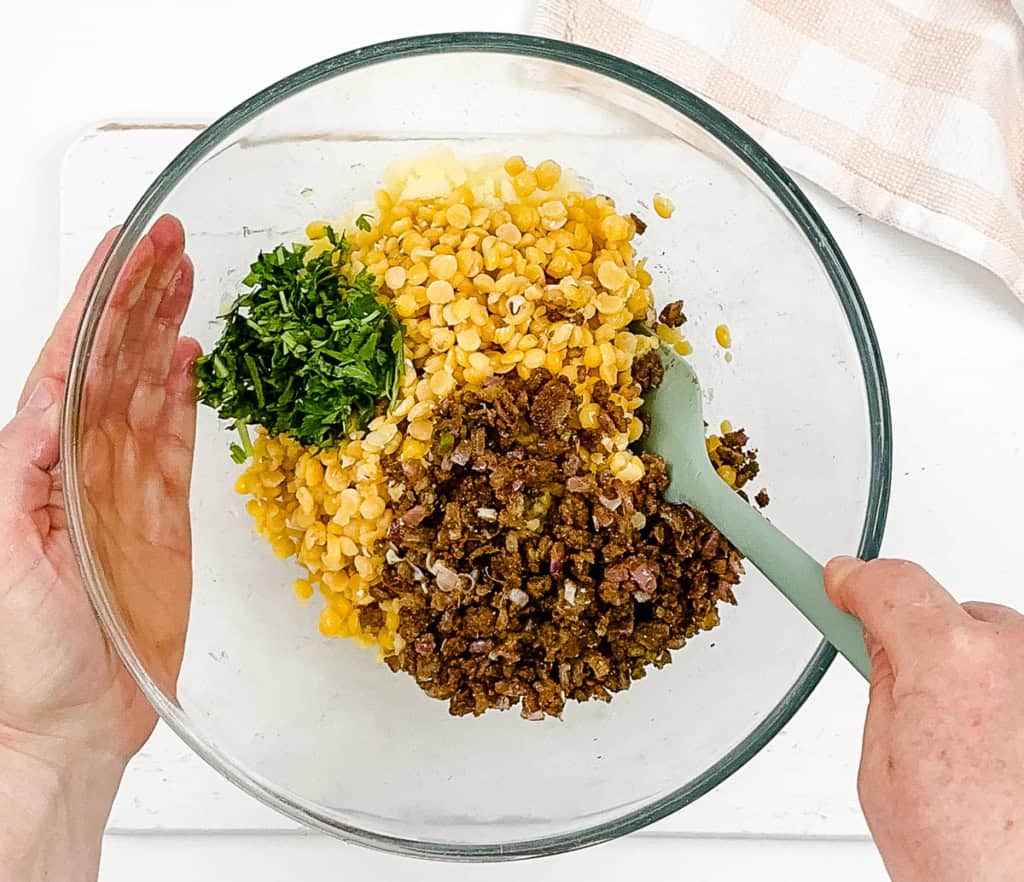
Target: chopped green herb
363	223
243	434
308	350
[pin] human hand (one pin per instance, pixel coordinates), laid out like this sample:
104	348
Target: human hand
70	714
942	770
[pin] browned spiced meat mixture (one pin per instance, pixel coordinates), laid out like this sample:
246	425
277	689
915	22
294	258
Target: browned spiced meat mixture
672	315
485	518
523	578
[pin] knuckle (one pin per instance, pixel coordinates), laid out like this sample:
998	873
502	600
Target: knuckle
987	611
896	582
868	577
878	584
892	569
969	647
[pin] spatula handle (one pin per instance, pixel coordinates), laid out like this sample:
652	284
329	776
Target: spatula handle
791	569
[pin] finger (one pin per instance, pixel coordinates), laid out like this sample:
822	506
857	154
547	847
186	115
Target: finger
994	613
28	450
881	708
178	421
128	289
897	601
168	240
55	357
147	402
882	676
873	647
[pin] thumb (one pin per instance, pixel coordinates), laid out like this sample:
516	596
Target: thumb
900	605
28	450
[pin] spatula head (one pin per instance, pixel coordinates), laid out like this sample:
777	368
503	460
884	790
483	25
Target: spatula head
677	435
677	427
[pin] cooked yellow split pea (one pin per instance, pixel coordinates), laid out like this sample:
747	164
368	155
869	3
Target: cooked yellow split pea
492	266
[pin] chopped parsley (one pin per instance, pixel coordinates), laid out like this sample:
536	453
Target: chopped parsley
308	350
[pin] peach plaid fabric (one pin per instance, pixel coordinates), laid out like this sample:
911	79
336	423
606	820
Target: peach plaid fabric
911	111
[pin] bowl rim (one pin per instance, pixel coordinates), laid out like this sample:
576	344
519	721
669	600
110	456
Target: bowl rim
676	98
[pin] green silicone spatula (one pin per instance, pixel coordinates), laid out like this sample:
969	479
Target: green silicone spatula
677	434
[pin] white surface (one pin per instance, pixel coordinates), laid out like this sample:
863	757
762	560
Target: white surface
951	335
284	858
926	303
102	175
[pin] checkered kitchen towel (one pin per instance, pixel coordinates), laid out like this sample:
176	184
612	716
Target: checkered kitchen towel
911	111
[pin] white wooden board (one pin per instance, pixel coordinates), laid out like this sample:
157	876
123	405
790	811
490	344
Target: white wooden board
283	858
953	341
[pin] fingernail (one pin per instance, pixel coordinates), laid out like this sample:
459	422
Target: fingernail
839	568
41	397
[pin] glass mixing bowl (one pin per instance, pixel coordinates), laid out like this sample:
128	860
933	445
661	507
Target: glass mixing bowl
317	728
